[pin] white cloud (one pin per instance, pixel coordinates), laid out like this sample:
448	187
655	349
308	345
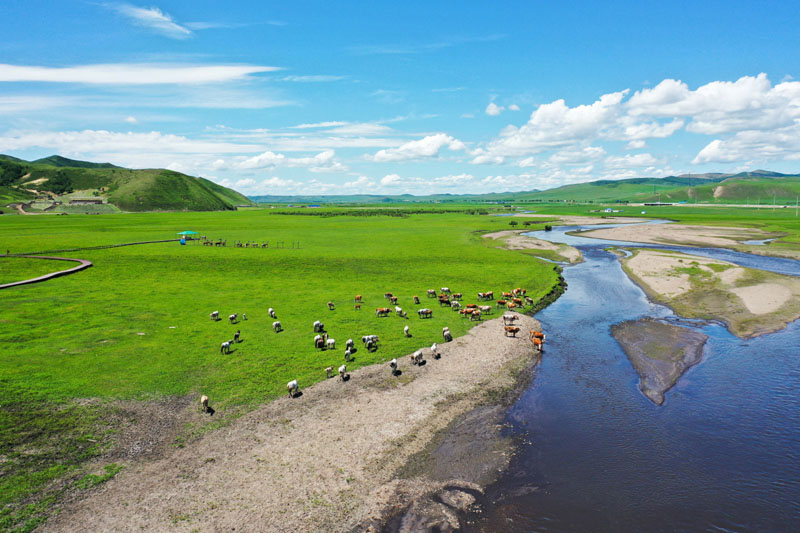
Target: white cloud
361	128
651	130
130	119
153	18
318	78
328	124
635	145
631	161
513	107
527	162
322	162
423	148
753	145
493	109
131	73
576	156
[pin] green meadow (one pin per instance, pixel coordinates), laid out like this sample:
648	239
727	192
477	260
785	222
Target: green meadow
136	325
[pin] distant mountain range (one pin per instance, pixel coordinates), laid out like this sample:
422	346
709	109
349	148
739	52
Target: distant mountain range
58	179
761	186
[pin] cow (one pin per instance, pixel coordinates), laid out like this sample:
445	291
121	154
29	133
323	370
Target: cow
507	295
501	303
447	335
272	313
489	295
276	327
399	311
518	302
486	309
225	347
472	306
537	344
416	357
476	315
358	307
529	300
204	403
444	301
393	366
431	293
388	295
382	311
416	299
292	388
393	300
511	305
331	306
456	296
512	330
233	317
537	335
445	290
319	327
455	306
425	313
465	313
405	332
508	318
342	372
331	343
348	355
435	351
358	298
349	344
237	335
328	372
215	316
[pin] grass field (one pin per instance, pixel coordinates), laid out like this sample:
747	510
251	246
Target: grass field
136	326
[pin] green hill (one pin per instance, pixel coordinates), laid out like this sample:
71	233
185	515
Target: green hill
57	178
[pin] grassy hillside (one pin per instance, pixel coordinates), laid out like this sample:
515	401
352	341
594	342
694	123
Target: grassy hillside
127	189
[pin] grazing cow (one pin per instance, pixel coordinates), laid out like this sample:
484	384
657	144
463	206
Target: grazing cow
331	307
204	403
399	311
348	355
416	299
425	313
446	334
508	318
518	301
476	315
215	316
511	305
393	366
487	309
455	306
416	357
367	338
393	300
529	300
331	344
512	330
431	293
537	335
537	344
244	316
272	313
405	332
507	295
501	303
276	327
319	327
435	351
225	347
457	296
472	306
388	295
236	335
372	345
489	295
358	307
444	301
328	372
358	298
466	312
482	296
445	290
342	372
382	311
292	388
349	344
319	342
233	317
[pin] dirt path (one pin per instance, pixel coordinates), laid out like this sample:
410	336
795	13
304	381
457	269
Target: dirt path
325	461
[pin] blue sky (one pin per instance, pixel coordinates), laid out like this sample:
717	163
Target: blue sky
412	97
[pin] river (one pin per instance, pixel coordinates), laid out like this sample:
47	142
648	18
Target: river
721	454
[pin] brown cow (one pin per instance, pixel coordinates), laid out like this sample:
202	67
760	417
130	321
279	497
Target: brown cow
393	299
358	298
431	293
507	295
537	344
513	330
388	295
416	299
501	303
331	306
518	301
456	296
511	305
471	306
382	311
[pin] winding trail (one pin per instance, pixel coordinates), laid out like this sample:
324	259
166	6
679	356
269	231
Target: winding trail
84	264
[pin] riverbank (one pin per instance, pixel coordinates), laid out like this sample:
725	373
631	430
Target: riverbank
328	460
514	240
751	302
692	235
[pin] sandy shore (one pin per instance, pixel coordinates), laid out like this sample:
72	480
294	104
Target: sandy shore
751	302
514	240
689	235
330	460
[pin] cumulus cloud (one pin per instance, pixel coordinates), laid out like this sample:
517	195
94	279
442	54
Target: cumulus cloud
321	162
513	107
749	145
130	119
426	147
631	161
493	109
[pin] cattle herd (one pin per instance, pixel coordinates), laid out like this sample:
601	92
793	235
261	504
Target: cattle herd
514	300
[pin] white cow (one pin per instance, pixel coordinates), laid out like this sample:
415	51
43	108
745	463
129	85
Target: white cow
215	315
434	351
225	347
342	371
272	313
331	344
416	357
348	355
349	344
276	326
233	317
204	403
292	388
405	332
393	366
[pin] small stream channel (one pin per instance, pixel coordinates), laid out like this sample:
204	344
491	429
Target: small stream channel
721	454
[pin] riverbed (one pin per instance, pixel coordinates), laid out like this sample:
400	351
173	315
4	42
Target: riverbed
721	453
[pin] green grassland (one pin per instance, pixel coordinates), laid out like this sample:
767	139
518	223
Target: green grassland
136	326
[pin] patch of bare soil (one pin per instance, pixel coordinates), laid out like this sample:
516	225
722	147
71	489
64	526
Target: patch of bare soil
682	234
515	241
327	460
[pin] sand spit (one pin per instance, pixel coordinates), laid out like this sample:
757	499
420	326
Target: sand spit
577	220
751	302
329	460
659	352
514	240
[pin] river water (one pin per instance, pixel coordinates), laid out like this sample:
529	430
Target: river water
721	454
